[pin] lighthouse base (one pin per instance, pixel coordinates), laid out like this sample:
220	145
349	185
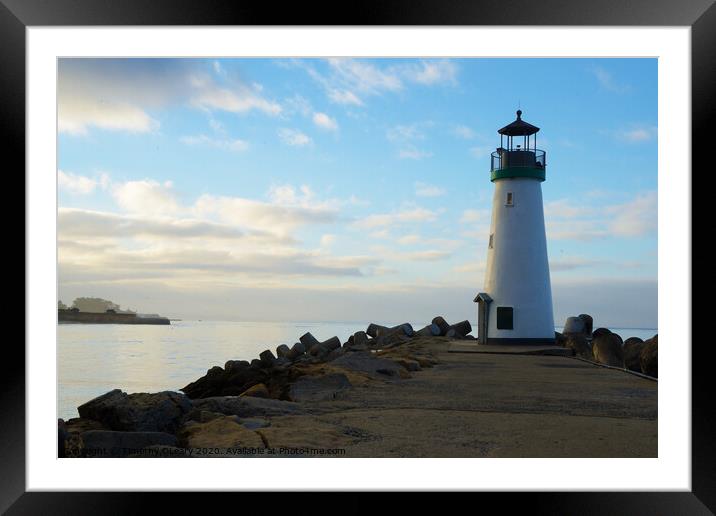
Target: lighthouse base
517	341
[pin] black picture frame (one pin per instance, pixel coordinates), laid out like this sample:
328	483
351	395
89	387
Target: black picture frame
700	15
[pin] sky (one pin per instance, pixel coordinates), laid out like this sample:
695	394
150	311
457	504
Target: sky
348	189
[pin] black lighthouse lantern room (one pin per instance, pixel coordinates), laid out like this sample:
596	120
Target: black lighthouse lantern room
516	129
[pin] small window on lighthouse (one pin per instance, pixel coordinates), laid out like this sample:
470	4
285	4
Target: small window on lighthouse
492	237
509	201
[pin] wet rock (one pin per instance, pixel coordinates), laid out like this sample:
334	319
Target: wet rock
256	364
283	351
247	406
225	432
258	391
139	412
578	343
649	357
632	353
607	350
106	443
317	388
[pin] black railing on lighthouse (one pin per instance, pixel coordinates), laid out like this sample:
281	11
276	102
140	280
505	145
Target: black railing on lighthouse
518	158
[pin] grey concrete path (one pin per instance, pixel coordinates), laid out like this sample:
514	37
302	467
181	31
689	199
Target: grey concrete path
492	405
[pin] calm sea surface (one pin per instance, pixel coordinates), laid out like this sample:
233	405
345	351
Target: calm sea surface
96	358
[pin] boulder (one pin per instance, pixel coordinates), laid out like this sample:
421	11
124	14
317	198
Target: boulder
373	329
220	382
600	331
431	330
649	357
308	340
409	364
367	363
442	324
607	350
105	443
62	436
560	339
232	366
139	412
224	432
267	358
462	328
574	326
297	350
283	351
253	423
258	391
632	353
359	340
246	406
317	388
392	338
578	343
588	323
452	333
331	344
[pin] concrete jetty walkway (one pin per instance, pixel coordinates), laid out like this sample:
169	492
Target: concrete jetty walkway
487	405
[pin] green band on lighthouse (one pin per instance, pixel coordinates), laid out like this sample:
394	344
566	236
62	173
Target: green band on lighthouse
504	173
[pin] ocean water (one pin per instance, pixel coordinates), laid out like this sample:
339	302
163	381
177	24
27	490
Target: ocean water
96	358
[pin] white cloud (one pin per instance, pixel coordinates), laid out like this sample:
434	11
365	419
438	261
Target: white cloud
409	239
75	184
637	217
344	97
235	145
471	215
637	134
412	152
427	190
294	137
406	133
432	72
464	132
365	77
388	219
239	100
324	121
123	94
568	220
146	197
608	82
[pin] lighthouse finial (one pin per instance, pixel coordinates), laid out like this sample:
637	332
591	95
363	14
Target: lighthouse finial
519	114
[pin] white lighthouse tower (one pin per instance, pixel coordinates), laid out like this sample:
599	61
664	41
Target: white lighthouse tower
516	305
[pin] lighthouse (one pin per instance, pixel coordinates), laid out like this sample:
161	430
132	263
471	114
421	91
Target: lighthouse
515	306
